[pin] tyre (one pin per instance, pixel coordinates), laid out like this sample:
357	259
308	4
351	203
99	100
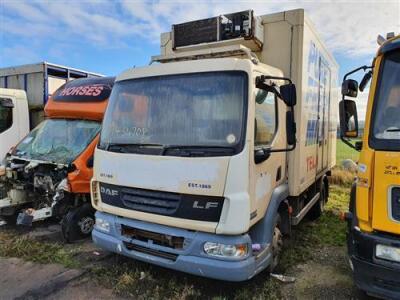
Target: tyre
78	223
316	211
276	243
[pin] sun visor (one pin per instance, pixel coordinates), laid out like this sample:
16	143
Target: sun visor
84	98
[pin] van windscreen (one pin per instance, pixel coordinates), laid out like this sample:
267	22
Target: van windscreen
58	140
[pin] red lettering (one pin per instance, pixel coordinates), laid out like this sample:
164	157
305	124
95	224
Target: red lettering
89	91
97	91
77	90
62	93
83	91
311	163
70	91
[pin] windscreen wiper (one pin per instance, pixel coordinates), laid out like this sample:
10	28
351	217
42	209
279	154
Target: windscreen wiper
393	130
127	147
198	150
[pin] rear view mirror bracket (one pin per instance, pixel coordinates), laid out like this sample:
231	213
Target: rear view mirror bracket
287	92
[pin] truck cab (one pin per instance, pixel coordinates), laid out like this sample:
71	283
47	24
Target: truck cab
208	156
374	217
47	174
14	119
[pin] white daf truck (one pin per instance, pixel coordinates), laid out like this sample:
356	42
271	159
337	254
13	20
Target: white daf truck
206	159
14	119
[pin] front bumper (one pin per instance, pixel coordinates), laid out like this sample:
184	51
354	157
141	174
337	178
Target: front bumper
375	276
190	259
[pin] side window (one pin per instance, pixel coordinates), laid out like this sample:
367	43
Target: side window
266	117
6	114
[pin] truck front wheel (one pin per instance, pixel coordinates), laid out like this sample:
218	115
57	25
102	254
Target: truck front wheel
78	223
277	243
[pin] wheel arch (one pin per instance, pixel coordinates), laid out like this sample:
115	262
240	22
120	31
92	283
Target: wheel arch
262	231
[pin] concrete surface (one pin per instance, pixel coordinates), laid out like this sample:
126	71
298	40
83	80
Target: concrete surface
26	280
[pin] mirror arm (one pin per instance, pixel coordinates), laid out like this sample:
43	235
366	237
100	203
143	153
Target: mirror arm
348	143
262	85
264	77
364	68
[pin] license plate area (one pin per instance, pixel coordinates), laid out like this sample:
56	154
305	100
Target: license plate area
164	240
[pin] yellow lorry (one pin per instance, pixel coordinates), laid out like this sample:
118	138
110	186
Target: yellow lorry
374	214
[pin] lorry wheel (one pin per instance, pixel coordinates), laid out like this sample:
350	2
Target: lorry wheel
78	223
316	211
277	244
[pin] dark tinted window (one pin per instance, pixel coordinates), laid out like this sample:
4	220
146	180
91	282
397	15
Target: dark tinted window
6	116
386	113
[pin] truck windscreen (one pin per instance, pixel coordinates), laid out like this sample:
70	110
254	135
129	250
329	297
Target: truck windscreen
58	140
386	119
189	110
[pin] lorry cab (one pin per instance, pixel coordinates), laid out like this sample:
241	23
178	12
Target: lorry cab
48	172
374	218
199	167
14	119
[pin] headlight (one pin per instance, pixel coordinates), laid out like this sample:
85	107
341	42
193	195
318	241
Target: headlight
222	250
388	252
102	225
95	192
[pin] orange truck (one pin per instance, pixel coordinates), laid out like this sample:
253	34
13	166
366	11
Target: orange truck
48	173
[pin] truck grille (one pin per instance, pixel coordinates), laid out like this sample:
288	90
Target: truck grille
150	201
396	204
193	207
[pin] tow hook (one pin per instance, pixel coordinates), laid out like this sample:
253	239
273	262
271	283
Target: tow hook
346	216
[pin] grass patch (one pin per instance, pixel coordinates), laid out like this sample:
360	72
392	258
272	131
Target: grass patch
36	251
345	152
341	177
130	278
327	231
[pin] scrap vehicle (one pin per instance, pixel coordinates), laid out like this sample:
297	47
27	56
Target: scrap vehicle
199	167
14	119
374	212
39	81
48	173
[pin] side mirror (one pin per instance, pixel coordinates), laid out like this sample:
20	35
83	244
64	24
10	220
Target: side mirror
348	118
288	93
365	80
350	88
290	128
261	155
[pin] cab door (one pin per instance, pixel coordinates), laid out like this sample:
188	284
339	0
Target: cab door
386	199
9	131
269	132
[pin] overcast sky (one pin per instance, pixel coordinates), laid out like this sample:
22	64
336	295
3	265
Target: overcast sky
110	36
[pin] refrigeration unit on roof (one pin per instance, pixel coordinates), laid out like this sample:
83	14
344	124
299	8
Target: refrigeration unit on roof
238	26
